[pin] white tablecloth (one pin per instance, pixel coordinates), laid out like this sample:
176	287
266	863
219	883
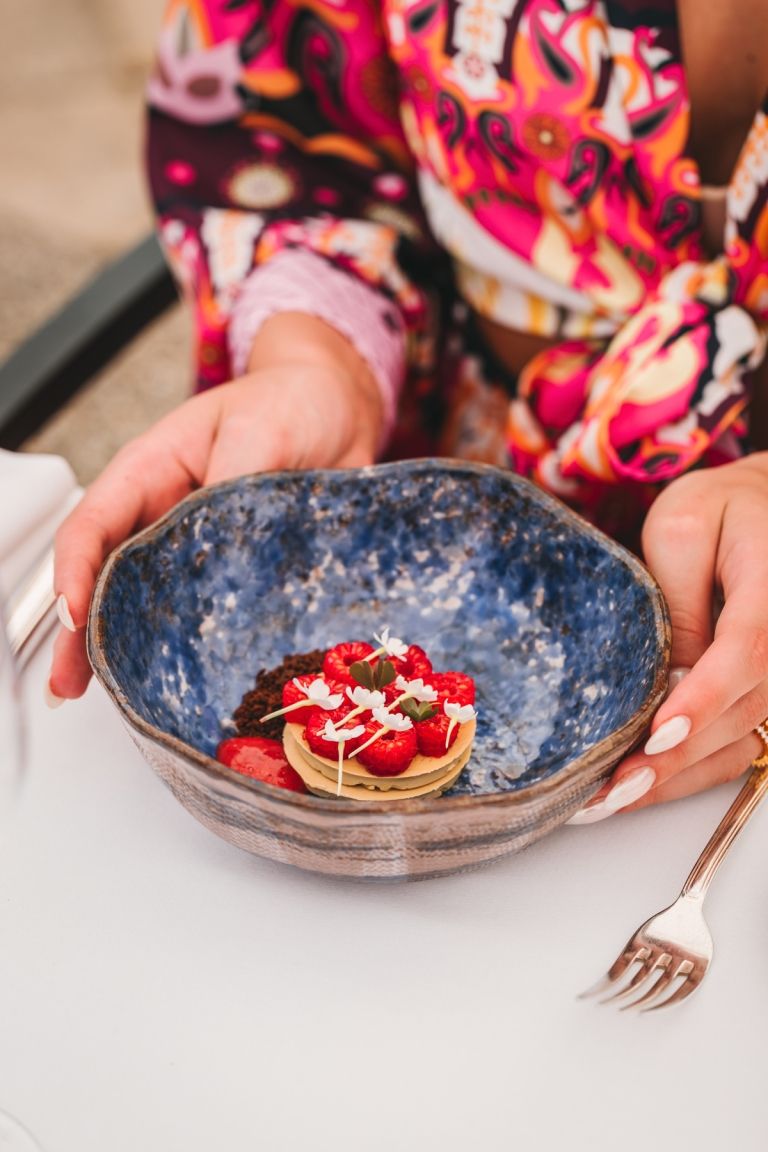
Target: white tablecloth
36	492
161	991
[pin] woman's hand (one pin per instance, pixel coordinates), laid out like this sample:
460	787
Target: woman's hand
705	538
309	402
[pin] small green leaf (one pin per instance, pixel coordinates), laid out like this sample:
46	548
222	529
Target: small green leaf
385	674
418	711
362	672
410	708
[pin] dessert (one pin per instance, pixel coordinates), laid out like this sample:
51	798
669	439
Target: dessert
361	722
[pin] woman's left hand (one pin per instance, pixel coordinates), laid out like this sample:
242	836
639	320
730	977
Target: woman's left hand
705	537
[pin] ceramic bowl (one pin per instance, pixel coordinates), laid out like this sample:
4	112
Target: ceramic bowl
565	633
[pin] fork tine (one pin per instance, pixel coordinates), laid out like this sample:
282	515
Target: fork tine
632	954
656	996
639	977
602	985
664	966
688	985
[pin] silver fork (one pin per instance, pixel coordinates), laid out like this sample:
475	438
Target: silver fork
668	957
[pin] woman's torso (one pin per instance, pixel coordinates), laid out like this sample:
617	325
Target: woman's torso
725	54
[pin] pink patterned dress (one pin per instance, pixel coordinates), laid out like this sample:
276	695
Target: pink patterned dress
396	168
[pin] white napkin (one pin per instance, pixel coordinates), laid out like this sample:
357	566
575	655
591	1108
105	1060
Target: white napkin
36	493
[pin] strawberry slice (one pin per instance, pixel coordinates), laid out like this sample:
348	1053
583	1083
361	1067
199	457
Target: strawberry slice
455	686
337	660
430	735
260	759
391	753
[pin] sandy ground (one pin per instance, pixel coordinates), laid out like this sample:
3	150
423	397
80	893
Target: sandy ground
72	198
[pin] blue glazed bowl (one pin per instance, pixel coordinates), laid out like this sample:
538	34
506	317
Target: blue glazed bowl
565	633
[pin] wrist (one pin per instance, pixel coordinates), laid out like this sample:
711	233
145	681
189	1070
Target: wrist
298	338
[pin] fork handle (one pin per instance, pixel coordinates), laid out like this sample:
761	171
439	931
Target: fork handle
726	832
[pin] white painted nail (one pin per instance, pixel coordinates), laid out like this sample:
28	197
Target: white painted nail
51	699
634	785
64	614
671	733
591	814
631	788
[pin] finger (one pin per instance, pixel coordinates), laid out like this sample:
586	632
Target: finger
680	545
140	483
736	723
70	669
737	660
726	764
638	788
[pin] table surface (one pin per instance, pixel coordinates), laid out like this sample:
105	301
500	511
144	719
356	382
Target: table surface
161	990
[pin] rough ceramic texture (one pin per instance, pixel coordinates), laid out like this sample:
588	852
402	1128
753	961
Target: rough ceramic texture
564	632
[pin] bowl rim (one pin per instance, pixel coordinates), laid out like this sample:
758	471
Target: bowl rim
585	766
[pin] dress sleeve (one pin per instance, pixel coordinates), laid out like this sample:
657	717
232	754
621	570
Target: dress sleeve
282	181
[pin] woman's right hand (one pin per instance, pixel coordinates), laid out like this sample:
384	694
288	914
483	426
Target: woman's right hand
309	402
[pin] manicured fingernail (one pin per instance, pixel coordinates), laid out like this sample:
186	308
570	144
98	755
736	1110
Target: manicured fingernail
634	785
668	735
51	699
64	614
590	815
631	788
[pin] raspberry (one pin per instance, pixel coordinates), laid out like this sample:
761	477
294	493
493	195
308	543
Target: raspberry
414	665
430	735
391	692
261	760
292	695
391	753
455	686
337	660
313	734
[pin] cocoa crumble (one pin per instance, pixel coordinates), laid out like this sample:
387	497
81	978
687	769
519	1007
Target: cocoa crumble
267	694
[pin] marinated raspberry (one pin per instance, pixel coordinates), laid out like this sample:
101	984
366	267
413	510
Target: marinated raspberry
431	735
414	665
337	660
391	753
260	759
313	734
455	686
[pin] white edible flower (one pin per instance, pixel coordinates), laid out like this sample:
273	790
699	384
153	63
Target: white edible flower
391	645
417	690
461	713
319	693
365	698
394	721
457	714
341	735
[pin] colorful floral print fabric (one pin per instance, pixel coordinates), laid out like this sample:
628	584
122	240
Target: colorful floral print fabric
544	141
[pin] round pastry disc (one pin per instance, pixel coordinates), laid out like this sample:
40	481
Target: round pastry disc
321	785
422	770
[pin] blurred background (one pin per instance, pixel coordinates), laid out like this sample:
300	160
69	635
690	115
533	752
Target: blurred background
72	199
